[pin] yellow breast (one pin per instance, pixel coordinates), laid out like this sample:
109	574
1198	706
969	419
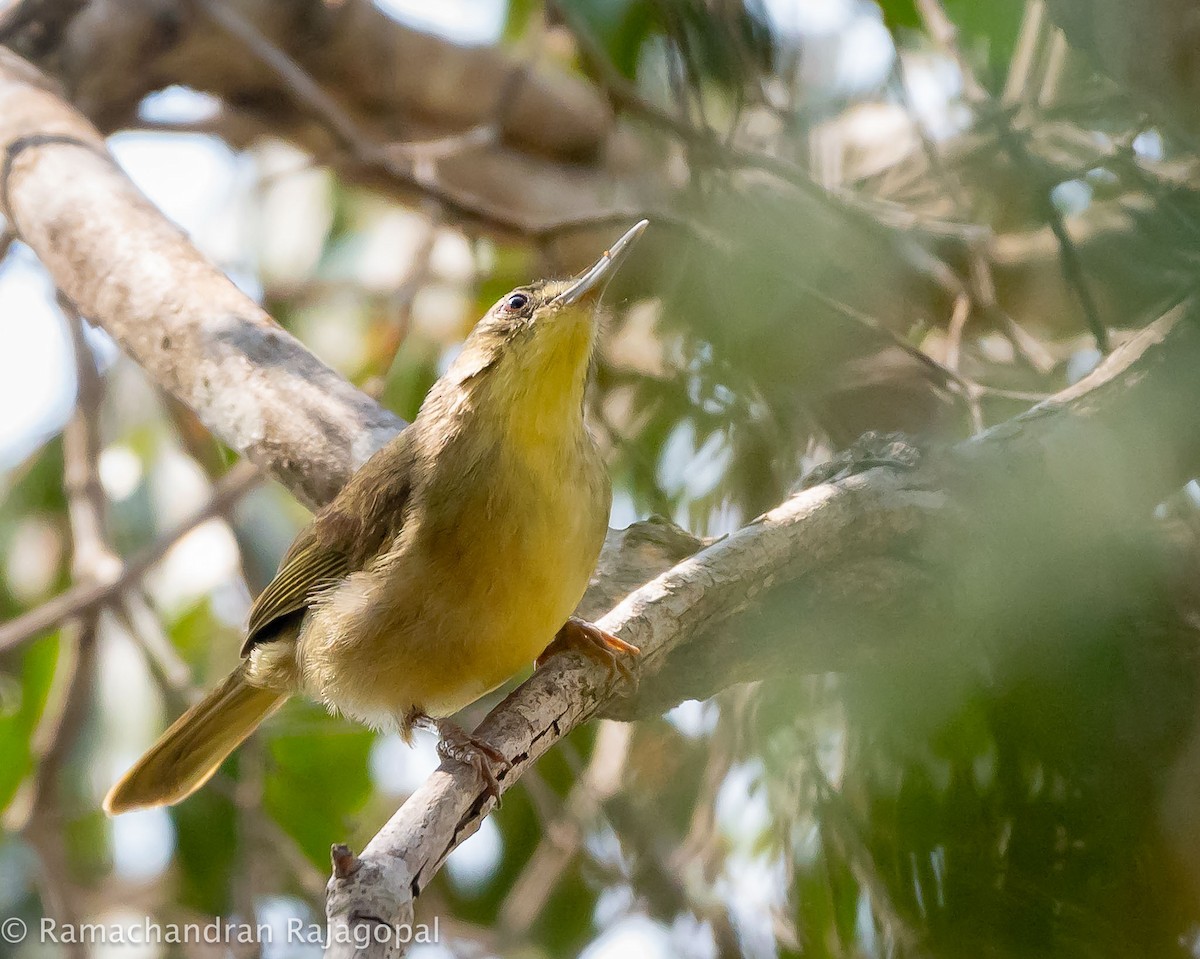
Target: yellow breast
508	515
519	575
458	608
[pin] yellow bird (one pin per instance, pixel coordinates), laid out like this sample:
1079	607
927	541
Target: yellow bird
450	560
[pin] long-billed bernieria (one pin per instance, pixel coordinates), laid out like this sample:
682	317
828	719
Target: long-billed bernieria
450	560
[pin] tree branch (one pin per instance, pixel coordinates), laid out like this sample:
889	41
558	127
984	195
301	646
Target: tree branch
1127	435
1102	433
370	81
65	719
86	597
859	515
128	269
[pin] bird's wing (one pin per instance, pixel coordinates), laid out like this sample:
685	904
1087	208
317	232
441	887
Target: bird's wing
342	538
307	568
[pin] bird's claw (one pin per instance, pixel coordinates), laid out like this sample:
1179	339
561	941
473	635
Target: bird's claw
457	745
597	644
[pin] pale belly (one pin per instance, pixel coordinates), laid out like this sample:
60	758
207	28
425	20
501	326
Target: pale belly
455	616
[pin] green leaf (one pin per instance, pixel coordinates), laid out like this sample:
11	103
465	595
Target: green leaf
318	780
23	696
195	631
900	14
520	12
206	851
991	28
413	372
513	266
621	27
987	31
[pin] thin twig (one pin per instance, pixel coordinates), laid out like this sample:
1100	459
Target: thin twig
7	238
983	289
945	33
705	142
408	164
954	330
91	556
167	667
1056	63
1029	40
85	597
981	281
1072	262
61	726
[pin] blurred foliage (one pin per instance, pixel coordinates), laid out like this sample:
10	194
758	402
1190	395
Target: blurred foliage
27	677
716	43
987	30
1001	789
300	764
22	698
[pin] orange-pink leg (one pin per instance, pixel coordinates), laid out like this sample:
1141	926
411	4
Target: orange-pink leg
595	643
457	745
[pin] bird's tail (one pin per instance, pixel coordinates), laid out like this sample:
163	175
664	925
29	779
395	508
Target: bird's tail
186	755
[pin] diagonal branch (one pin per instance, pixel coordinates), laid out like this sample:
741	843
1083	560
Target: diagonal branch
383	95
89	596
1073	439
132	272
337	121
61	727
379	888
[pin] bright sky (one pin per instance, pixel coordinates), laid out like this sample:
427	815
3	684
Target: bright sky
35	382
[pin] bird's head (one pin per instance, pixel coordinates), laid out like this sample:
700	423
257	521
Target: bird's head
538	338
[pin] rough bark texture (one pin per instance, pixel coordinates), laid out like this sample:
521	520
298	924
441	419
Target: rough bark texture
129	270
858	516
1126	432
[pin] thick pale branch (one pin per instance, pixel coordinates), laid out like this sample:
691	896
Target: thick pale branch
855	516
549	155
1125	436
132	272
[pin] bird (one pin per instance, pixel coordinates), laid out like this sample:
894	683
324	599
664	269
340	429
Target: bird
453	558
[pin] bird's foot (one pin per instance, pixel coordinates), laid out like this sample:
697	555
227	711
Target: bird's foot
457	745
597	644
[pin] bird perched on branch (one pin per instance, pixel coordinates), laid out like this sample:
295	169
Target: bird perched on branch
449	561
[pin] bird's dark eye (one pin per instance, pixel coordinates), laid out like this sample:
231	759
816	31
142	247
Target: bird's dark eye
516	302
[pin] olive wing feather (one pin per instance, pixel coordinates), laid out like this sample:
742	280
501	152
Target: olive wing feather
343	538
307	569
